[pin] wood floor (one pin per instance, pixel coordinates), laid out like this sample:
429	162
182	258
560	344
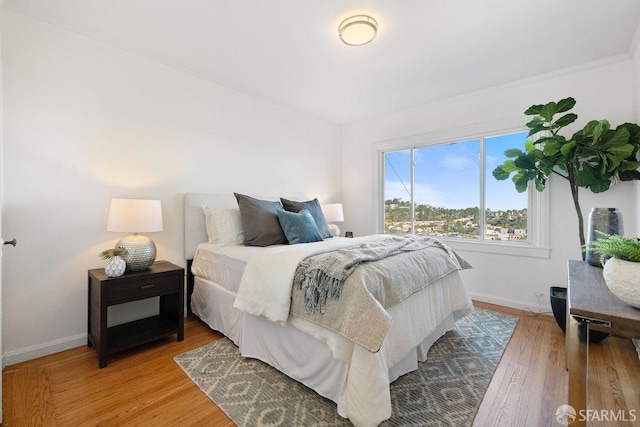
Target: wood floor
145	387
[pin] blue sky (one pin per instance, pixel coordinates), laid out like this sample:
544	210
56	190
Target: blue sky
448	175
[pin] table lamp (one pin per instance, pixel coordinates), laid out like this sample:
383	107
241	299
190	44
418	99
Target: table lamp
135	216
333	212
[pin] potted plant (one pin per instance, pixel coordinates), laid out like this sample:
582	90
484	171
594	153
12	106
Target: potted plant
116	264
594	157
621	271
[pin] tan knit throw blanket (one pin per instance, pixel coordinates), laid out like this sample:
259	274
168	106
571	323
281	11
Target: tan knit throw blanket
322	276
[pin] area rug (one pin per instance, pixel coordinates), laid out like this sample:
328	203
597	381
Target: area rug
446	390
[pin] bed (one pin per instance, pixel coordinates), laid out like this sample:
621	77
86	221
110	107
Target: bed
354	375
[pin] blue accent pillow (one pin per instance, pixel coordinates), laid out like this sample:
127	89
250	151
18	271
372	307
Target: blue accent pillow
299	227
314	208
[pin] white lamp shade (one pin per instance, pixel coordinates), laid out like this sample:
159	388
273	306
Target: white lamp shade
333	212
135	216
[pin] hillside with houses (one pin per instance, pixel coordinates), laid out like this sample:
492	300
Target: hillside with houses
464	223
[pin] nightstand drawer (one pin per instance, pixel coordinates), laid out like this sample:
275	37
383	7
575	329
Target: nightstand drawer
140	289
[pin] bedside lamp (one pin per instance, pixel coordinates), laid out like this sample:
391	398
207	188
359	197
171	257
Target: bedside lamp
333	212
134	216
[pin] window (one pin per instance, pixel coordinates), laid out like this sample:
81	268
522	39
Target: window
447	190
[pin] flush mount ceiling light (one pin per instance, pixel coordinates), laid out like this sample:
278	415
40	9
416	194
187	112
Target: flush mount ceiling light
357	30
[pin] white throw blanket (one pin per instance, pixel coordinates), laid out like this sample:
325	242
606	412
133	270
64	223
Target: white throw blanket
265	288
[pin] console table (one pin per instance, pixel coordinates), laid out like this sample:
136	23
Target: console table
590	300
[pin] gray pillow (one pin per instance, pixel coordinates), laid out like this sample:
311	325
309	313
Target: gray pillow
313	206
260	221
299	227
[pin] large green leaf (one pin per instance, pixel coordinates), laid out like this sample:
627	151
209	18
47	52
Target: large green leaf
545	139
600	128
537	129
629	165
619	138
513	152
529	145
619	153
551	148
592	178
587	129
600	186
565	120
526	161
634	133
566	104
538	154
521	181
586	176
534	110
566	148
537	121
509	166
549	110
500	174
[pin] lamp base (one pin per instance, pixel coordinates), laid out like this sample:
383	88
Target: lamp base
334	230
141	252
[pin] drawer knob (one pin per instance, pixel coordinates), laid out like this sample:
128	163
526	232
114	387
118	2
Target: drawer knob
149	286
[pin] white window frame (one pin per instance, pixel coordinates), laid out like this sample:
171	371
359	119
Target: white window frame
537	244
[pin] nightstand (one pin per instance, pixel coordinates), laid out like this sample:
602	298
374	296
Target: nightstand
163	280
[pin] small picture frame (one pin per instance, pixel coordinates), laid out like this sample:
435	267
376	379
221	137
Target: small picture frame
348	234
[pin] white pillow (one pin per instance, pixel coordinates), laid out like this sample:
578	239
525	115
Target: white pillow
224	226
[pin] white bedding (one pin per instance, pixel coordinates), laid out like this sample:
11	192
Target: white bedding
223	265
357	380
261	289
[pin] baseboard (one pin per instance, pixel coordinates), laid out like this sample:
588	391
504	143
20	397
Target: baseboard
543	308
51	347
44	349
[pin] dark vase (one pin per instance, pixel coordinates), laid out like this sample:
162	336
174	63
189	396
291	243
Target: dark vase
558	297
606	220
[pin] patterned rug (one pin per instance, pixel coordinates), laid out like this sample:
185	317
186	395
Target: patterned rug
446	390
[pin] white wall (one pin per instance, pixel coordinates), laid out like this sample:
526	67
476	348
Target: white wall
601	92
85	122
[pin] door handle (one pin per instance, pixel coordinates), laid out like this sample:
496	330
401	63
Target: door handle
11	242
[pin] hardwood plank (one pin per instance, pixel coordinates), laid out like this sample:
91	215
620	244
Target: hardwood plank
31	402
526	392
517	383
144	386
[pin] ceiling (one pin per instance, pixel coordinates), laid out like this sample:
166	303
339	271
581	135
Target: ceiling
287	52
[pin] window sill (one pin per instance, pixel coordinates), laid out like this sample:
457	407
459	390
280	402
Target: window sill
513	249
